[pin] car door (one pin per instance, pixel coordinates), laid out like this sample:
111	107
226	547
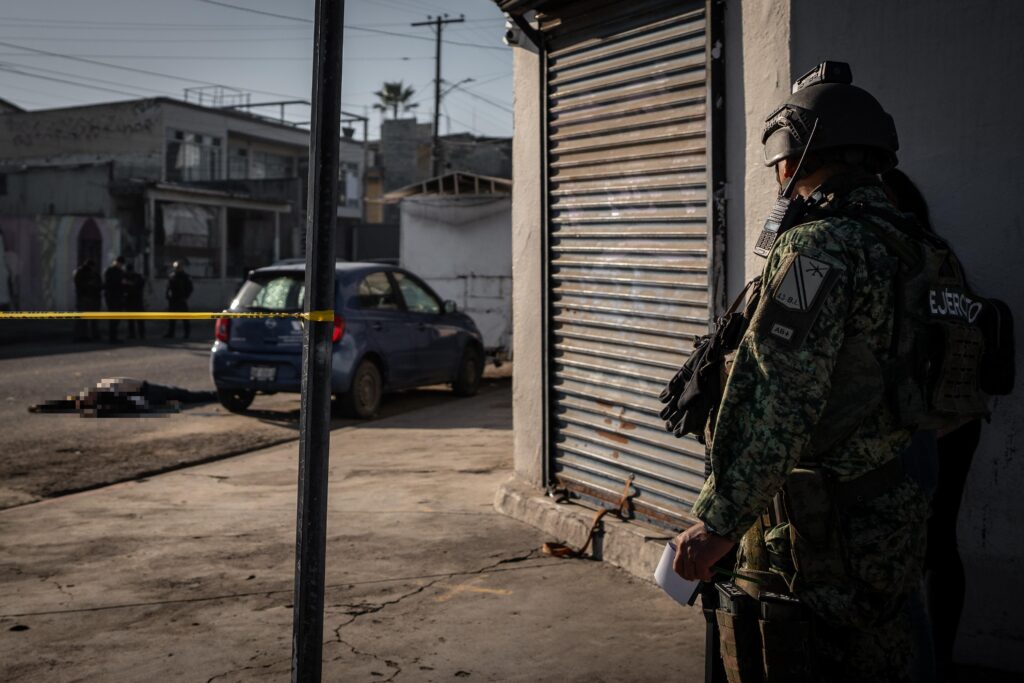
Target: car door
380	308
436	342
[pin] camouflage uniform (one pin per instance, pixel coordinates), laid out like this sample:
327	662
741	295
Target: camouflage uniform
773	402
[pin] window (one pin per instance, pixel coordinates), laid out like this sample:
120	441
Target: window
348	185
271	292
189	233
417	299
238	163
375	292
270	165
192	156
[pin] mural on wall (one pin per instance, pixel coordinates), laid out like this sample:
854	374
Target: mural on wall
40	255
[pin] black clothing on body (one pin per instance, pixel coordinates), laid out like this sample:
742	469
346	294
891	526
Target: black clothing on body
179	287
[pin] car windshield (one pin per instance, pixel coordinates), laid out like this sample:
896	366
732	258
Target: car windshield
271	292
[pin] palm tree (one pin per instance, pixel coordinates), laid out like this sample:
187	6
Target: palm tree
395	95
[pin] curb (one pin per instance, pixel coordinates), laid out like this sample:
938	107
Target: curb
628	545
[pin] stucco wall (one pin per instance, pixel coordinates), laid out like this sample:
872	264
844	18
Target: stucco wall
948	74
76	190
527	384
461	246
129	132
757	77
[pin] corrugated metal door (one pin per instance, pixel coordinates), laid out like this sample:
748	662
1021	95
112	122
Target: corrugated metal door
628	245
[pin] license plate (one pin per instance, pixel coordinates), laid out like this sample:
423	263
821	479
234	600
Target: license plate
263	373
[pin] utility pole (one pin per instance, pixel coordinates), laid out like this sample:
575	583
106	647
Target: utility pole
315	406
438	23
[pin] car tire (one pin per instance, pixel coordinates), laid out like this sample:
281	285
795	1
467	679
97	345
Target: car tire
362	400
236	400
471	369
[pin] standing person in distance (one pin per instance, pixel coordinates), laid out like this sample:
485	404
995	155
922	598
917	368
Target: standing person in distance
179	289
134	300
88	294
113	288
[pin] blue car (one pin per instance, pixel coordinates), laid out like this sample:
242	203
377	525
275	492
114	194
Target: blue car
391	331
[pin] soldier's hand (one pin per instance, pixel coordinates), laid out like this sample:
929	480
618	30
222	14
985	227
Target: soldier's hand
696	552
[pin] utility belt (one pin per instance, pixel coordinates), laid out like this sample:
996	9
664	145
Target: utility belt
764	639
764	629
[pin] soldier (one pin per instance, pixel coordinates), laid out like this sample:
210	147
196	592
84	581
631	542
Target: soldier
113	287
134	300
818	337
179	289
88	289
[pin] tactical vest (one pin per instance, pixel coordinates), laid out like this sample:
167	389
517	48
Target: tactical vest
947	342
950	349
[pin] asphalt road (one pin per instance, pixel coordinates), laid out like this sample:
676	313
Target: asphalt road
48	455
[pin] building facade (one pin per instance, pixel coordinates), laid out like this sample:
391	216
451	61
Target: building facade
639	189
221	190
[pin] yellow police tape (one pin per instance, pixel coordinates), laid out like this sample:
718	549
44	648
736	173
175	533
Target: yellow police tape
313	316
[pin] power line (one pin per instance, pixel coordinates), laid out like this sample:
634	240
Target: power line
89	78
348	27
211	40
218	57
78	24
49	94
64	80
136	70
486	100
257	11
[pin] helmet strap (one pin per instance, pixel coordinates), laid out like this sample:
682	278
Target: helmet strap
787	191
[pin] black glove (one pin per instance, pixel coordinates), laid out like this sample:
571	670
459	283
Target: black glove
687	402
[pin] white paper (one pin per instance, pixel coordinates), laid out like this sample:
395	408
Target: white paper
678	588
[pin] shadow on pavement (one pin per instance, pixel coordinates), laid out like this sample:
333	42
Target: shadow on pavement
394	404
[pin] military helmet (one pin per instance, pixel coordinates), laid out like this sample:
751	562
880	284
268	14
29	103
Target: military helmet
846	117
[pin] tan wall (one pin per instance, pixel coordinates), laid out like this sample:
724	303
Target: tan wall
527	281
758	53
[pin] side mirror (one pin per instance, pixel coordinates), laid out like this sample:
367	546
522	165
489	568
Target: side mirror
450	306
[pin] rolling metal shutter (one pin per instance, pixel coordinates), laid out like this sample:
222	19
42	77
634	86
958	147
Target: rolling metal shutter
628	241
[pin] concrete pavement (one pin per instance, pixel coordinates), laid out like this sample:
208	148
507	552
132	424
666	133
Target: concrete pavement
188	576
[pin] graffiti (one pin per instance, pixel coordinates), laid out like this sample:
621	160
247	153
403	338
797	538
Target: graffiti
26	131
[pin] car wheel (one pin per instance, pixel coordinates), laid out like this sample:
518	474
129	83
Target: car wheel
471	369
362	400
236	400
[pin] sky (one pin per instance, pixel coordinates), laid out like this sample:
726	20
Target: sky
113	50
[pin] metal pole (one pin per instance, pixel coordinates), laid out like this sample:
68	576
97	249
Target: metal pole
438	23
436	147
314	418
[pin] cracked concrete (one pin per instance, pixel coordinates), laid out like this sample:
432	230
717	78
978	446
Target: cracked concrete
187	576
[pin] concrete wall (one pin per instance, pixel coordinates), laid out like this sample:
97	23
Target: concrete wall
947	72
461	245
527	273
40	253
757	77
404	152
132	133
487	156
74	190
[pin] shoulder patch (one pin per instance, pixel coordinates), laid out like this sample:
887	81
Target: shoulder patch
795	298
802	283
